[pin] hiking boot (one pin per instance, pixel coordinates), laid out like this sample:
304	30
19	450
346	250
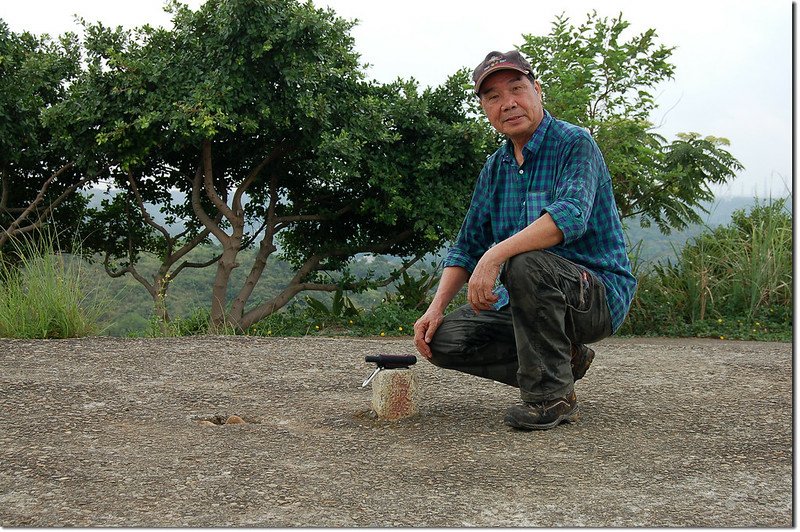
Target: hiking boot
582	357
543	416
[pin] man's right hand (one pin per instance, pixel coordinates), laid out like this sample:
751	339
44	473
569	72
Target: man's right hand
424	328
453	278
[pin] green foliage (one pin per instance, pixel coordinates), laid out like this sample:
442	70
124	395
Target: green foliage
341	307
592	75
734	281
257	111
36	175
405	167
415	293
44	294
595	78
384	319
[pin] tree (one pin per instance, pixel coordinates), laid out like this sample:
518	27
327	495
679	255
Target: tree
37	178
257	111
593	78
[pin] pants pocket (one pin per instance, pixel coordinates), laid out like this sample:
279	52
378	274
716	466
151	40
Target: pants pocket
592	321
577	286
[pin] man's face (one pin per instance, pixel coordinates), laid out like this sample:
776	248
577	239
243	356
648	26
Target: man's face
512	104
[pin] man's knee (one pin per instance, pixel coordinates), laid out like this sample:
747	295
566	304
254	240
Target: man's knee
523	270
446	346
459	333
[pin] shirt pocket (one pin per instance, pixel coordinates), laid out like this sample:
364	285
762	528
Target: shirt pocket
535	202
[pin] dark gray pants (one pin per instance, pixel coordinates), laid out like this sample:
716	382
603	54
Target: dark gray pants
554	303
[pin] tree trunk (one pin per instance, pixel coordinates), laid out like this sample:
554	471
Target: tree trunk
159	293
219	293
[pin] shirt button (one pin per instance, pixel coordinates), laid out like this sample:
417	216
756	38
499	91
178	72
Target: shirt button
521	172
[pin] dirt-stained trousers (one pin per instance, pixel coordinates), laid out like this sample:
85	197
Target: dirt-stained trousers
554	303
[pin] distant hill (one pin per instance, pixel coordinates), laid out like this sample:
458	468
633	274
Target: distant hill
722	208
720	211
656	246
191	291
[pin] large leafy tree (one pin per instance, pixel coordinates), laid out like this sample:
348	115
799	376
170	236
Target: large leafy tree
595	77
37	178
257	111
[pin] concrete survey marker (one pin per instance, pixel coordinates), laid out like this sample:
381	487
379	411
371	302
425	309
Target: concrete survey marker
394	386
394	394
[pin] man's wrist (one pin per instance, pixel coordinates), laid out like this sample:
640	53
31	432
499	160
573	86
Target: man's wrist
495	254
438	305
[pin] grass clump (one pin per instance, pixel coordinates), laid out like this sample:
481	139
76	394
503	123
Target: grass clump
42	293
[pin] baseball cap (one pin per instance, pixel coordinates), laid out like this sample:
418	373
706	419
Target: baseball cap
495	61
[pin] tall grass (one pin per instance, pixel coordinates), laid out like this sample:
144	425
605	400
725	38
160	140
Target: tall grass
761	272
740	273
43	294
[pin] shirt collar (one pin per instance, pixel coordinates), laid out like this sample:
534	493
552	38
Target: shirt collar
533	145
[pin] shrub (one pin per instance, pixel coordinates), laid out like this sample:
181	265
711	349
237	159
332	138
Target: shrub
728	282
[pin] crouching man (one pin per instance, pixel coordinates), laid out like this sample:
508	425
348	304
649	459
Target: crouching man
543	219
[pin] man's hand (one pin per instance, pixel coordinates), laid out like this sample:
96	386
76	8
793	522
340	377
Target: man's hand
481	282
424	329
453	278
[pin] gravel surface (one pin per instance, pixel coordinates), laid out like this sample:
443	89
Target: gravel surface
107	432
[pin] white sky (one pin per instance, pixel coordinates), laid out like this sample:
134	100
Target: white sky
733	59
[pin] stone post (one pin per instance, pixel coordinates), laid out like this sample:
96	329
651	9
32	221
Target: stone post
394	394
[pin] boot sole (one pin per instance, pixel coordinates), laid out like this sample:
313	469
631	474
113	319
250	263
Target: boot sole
569	417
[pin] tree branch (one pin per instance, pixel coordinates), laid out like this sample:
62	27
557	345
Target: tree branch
187	264
296	285
281	149
114	274
146	215
197	206
39	197
208	181
14	228
265	249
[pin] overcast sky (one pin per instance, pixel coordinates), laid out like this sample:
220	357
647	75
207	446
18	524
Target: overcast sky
733	59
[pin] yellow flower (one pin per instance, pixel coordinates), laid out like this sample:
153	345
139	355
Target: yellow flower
383	333
719	320
269	332
721	337
399	328
316	327
350	322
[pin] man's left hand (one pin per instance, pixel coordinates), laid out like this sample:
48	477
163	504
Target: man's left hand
481	283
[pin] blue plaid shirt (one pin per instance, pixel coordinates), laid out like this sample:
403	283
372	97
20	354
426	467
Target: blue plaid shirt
564	174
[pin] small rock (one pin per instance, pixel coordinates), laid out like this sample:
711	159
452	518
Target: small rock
233	420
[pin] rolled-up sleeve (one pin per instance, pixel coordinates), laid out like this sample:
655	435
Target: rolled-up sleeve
576	187
475	235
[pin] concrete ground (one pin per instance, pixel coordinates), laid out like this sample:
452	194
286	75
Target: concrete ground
104	432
